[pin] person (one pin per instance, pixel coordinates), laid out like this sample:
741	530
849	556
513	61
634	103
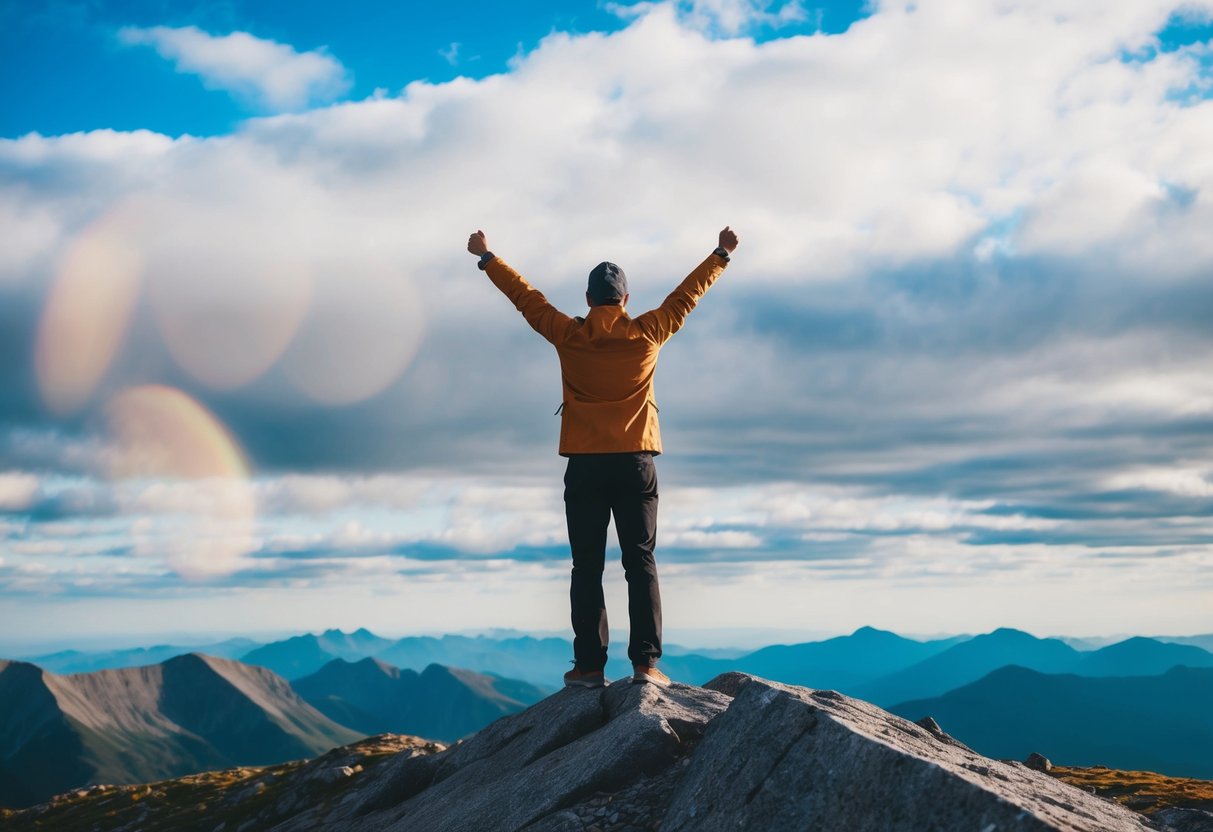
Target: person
610	435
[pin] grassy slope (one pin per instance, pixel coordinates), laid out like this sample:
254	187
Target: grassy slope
1143	791
201	802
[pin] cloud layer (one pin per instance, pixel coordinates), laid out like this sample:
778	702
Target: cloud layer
964	342
264	73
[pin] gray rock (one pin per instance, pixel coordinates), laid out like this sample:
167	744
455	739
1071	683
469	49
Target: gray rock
332	774
740	754
1184	820
686	708
565	821
728	683
1038	762
549	758
932	727
783	757
930	724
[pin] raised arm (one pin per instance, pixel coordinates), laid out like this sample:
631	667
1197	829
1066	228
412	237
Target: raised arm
544	318
665	320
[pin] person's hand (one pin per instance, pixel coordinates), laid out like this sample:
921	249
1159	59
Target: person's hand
478	245
728	240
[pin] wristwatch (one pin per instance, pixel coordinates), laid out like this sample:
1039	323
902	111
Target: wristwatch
484	260
722	253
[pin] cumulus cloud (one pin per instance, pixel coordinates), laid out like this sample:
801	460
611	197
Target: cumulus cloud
726	18
967	326
266	73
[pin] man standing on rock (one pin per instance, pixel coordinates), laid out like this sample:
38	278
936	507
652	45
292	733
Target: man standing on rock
609	433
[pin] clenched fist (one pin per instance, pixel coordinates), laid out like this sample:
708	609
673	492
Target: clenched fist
728	240
478	245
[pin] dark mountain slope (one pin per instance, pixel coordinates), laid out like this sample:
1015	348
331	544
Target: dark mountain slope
442	703
840	663
1142	657
1153	723
299	656
969	661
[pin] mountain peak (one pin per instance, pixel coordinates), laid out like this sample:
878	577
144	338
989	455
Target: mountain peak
381	666
189	713
768	762
435	671
198	660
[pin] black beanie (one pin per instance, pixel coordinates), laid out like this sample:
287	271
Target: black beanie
607	282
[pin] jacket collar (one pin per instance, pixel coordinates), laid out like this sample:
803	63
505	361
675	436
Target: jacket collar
606	311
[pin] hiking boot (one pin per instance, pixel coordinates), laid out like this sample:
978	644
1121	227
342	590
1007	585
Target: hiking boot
589	679
643	673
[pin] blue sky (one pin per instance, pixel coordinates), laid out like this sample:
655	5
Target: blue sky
956	378
74	73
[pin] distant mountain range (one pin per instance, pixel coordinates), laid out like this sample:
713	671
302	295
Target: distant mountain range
877	665
1158	723
970	660
190	713
299	656
440	703
1005	692
77	661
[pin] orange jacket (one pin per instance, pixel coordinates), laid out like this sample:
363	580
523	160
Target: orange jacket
607	359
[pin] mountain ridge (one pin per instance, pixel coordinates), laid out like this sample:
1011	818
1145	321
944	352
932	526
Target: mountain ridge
971	660
739	753
441	702
136	724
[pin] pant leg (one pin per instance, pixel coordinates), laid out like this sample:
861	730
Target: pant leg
587	511
634	503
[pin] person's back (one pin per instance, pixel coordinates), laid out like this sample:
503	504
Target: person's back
610	434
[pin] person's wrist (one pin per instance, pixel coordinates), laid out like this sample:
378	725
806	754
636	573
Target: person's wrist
484	260
722	253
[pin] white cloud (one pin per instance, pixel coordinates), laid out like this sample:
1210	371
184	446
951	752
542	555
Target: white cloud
726	18
269	74
1183	481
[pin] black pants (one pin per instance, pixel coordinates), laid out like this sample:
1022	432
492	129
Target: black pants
595	487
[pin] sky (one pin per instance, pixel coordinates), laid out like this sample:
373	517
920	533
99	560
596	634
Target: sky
956	377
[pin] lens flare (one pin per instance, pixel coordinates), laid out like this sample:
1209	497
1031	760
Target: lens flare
160	431
87	313
195	507
228	287
362	332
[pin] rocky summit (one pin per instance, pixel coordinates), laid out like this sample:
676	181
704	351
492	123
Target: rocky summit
739	753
